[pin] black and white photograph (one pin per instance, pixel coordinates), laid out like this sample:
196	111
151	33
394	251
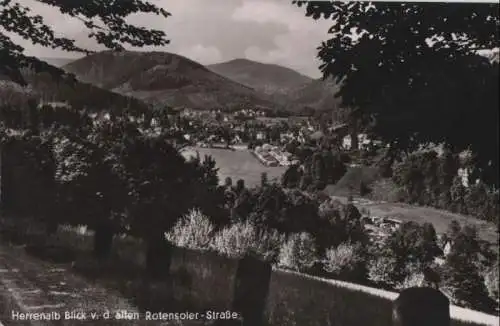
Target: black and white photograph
249	163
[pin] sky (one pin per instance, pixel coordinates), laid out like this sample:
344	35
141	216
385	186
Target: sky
213	31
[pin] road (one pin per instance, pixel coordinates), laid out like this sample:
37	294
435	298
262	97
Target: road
30	288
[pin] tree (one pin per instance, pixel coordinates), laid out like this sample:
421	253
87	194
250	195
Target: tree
412	246
264	181
105	21
291	177
415	68
429	245
162	189
448	169
240	186
83	157
319	171
463	269
463	279
457	196
206	193
339	223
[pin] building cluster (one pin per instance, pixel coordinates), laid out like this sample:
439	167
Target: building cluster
273	156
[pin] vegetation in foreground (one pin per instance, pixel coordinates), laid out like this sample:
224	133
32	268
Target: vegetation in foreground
291	228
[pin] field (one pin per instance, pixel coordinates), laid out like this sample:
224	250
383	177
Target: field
238	164
384	203
439	218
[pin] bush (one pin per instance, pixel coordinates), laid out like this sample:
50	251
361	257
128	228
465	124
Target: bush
268	245
346	262
491	282
380	270
235	240
193	231
298	253
412	280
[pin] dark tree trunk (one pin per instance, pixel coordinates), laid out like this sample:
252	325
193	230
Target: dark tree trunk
103	240
157	255
354	139
51	226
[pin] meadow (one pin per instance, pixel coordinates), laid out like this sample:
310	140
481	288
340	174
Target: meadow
237	164
439	218
383	202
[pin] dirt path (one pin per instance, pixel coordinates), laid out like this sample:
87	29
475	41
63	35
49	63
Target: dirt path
28	285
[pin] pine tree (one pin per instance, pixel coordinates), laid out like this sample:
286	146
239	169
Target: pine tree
263	179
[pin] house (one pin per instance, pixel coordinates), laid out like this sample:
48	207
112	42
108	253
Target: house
363	141
54	104
237	140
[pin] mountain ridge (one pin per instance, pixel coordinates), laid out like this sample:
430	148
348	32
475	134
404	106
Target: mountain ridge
45	87
267	78
163	78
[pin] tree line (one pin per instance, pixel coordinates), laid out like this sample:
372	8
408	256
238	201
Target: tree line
115	173
429	179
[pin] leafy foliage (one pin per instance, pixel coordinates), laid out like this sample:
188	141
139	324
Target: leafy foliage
298	253
432	180
148	184
491	282
105	21
193	231
415	68
339	224
463	269
410	249
347	262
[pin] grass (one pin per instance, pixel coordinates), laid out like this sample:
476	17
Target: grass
439	218
385	192
238	164
349	184
200	279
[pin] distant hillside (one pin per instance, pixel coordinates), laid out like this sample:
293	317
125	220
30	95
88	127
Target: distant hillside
163	78
318	94
43	86
267	78
283	85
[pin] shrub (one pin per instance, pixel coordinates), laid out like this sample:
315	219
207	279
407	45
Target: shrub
380	270
298	252
346	262
244	237
491	282
268	245
412	280
235	240
193	231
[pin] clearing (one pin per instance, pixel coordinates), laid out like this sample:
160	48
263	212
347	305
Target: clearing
237	164
439	218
